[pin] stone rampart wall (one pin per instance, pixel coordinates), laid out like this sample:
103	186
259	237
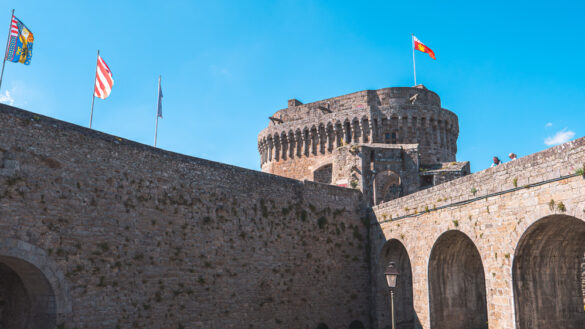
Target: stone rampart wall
138	237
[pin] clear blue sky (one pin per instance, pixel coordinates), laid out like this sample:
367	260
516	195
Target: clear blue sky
512	71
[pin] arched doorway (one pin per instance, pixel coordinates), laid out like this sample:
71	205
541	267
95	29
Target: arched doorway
456	284
547	275
356	325
27	300
394	251
388	186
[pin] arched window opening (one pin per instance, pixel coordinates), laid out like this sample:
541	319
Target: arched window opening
356	325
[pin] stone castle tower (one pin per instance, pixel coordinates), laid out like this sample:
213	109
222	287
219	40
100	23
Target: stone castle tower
388	142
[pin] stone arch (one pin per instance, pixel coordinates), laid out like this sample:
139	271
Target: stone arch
347	131
338	132
306	141
323	174
547	275
356	324
322	326
34	292
388	186
291	144
330	136
364	129
284	143
322	137
457	292
394	251
276	140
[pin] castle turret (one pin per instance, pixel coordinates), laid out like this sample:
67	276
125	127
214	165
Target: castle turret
302	140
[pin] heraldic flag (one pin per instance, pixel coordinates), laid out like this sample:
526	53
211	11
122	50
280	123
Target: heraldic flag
422	47
103	79
20	43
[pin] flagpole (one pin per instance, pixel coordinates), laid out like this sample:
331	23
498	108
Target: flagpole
6	52
93	91
158	100
413	61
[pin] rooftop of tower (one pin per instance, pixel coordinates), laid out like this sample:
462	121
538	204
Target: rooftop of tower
360	100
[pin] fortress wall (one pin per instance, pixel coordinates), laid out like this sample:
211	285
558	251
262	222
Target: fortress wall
495	225
132	236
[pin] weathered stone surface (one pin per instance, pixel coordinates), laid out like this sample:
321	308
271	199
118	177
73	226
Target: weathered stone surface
498	209
399	115
152	239
100	232
386	143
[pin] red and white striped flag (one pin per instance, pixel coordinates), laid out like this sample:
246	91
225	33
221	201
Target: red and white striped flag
14	27
103	79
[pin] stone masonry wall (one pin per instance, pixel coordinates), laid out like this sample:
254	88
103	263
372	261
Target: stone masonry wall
495	225
145	238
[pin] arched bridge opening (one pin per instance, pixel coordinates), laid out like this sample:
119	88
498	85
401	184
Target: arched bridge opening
457	284
547	274
405	317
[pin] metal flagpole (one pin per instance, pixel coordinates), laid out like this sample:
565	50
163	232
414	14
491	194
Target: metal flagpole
413	61
93	91
6	52
157	104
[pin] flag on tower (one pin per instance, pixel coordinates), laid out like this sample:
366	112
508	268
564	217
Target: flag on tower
103	79
421	47
20	43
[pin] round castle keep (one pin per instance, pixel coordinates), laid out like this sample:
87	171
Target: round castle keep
301	139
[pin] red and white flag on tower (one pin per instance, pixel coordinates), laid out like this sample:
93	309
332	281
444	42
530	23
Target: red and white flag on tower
103	79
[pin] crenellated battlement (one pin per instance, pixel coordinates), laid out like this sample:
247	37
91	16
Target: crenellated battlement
303	137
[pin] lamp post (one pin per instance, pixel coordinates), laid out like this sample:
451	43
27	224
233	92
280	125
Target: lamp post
391	278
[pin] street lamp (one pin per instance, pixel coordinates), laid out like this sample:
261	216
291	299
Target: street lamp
391	278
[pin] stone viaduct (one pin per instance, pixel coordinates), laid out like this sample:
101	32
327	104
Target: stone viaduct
101	232
502	248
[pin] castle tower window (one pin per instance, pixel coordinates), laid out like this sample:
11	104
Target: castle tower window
323	174
426	181
387	138
394	138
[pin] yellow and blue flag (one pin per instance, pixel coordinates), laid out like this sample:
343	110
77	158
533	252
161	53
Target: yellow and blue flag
20	44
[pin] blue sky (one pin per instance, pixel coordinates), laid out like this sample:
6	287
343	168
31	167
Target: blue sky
512	71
